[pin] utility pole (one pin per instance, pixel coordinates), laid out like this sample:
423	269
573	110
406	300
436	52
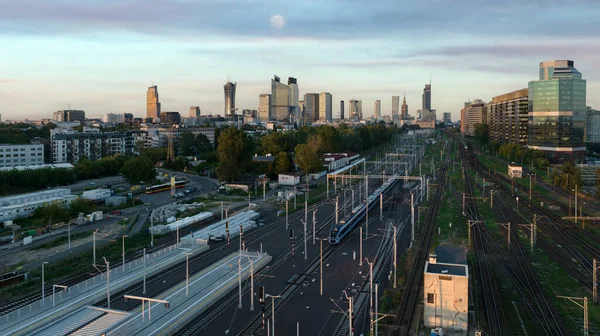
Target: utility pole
381	207
370	293
595	280
395	257
463	194
305	251
123	254
152	229
530	186
321	265
144	282
251	284
412	216
575	202
492	199
43	285
107	282
286	213
314	222
585	310
360	247
187	272
336	210
94	245
273	297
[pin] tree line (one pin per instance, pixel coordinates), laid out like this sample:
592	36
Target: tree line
304	147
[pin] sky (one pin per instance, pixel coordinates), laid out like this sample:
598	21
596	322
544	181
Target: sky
100	56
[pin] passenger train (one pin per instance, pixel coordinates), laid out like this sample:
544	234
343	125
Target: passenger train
345	226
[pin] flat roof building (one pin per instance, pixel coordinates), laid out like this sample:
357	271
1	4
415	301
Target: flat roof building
25	204
21	155
446	295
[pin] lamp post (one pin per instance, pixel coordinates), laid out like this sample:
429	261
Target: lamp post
123	254
94	246
43	284
273	297
107	281
187	272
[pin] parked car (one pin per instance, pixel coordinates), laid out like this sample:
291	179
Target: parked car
115	212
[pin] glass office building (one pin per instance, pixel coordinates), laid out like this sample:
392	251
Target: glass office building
557	111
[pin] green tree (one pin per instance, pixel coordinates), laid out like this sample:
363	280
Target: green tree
233	152
139	169
186	144
482	133
282	163
308	159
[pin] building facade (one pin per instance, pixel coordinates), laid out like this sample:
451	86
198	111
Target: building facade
70	116
341	110
21	155
404	111
229	93
395	107
558	111
447	118
426	104
474	113
593	127
170	118
507	117
264	107
311	107
294	98
152	103
377	109
280	99
71	147
446	296
24	205
325	106
355	110
194	112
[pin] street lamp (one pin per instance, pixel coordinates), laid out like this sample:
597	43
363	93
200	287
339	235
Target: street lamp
123	254
107	281
94	244
43	283
517	204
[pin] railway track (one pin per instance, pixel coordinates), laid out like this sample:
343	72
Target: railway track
564	242
481	249
201	321
518	268
410	295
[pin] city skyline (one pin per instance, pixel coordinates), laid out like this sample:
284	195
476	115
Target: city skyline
195	57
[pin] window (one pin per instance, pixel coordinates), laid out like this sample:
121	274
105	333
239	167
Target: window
430	297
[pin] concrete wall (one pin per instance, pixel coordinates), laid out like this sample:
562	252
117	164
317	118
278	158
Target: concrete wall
450	306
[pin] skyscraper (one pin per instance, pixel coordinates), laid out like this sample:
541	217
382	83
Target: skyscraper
194	111
280	99
355	109
557	110
395	107
377	109
426	98
507	117
152	103
341	110
294	98
264	107
325	106
447	118
311	107
404	112
474	113
229	89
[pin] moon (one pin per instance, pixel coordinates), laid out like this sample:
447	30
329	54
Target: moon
277	21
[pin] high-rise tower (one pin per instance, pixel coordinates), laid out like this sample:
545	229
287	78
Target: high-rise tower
404	112
341	110
395	107
377	109
229	89
281	95
557	110
152	103
426	98
325	106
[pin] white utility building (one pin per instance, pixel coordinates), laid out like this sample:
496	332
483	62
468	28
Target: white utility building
24	205
446	295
